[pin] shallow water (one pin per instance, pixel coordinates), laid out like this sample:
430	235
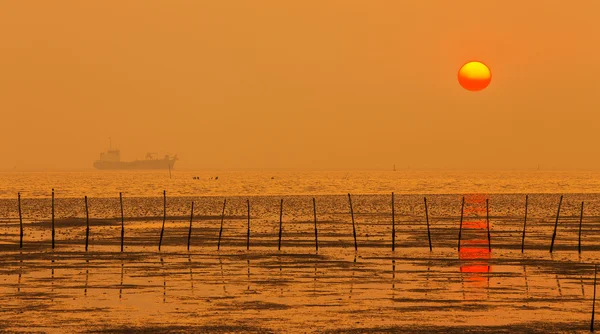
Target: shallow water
299	289
292	291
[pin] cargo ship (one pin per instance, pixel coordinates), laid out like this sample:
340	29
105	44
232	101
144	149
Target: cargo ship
111	160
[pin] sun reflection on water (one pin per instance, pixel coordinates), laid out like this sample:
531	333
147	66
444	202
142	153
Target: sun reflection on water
474	254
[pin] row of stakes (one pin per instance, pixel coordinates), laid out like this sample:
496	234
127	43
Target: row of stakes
87	231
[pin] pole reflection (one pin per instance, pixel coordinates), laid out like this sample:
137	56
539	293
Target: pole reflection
87	277
526	282
393	279
191	274
121	285
162	264
352	278
222	276
20	271
248	267
52	279
315	281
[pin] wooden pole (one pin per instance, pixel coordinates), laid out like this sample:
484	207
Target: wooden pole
556	224
315	216
594	300
280	223
524	224
221	229
427	219
580	222
248	233
122	223
393	225
162	230
20	221
87	224
462	210
190	230
53	233
353	225
487	219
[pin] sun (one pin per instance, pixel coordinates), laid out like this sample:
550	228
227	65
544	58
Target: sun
474	76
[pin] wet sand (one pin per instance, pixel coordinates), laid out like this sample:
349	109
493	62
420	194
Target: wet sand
298	289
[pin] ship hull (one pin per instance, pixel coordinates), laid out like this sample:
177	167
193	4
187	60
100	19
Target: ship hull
135	165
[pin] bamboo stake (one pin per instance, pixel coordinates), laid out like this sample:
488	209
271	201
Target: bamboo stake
393	225
487	219
353	225
427	219
53	233
248	234
462	210
594	300
280	223
315	216
87	223
123	223
20	221
162	230
221	229
524	224
580	221
190	230
556	224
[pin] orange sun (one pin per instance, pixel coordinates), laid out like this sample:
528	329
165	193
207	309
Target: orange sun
474	76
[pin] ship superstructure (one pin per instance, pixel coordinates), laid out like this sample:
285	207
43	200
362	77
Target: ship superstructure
111	160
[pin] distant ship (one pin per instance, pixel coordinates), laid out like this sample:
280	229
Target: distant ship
111	160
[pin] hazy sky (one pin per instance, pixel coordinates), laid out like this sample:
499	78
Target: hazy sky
300	84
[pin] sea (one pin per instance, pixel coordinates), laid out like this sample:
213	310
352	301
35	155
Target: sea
291	182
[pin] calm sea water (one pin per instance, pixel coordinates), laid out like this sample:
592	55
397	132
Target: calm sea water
264	183
250	183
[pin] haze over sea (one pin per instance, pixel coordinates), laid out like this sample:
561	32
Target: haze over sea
273	182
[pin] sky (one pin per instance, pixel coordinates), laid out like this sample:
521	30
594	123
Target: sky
312	84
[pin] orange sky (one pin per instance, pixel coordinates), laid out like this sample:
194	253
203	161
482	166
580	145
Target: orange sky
300	84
